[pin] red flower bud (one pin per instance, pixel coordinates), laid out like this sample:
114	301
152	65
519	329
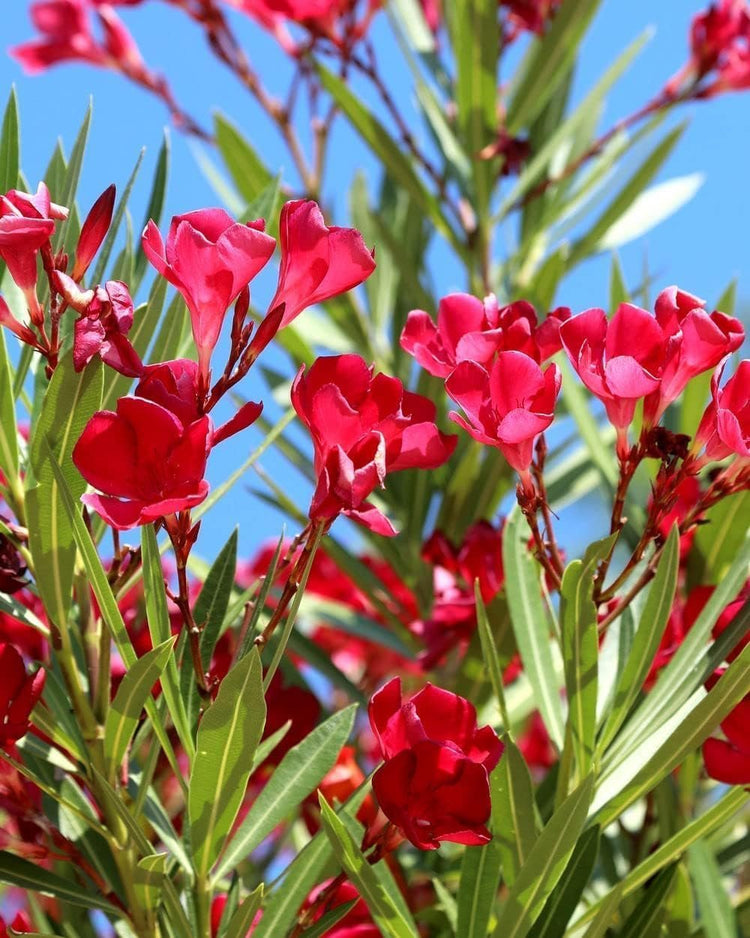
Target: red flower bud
94	231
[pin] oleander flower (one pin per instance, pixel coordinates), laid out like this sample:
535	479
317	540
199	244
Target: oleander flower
724	429
19	693
363	426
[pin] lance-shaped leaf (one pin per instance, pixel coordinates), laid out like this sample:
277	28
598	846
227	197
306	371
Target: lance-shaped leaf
15	871
651	626
148	880
130	700
242	919
531	623
9	145
650	910
489	653
213	600
69	402
155	206
301	769
383	908
566	896
119	214
477	892
545	864
229	732
247	169
8	430
716	915
67	232
513	810
717	542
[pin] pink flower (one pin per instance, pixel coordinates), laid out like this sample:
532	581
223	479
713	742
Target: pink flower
363	426
27	223
508	406
317	262
93	231
725	427
336	20
67	36
210	258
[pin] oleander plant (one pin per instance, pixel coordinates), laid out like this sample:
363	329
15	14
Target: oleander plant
418	714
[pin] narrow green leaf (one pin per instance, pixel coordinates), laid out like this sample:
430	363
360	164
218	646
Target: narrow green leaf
247	169
383	909
565	897
130	699
326	922
490	655
70	401
545	864
240	923
67	232
8	429
715	910
10	145
148	879
718	540
650	907
213	600
547	62
530	622
513	811
618	290
411	17
16	871
652	623
159	626
301	769
155	205
388	152
227	737
477	892
109	242
605	914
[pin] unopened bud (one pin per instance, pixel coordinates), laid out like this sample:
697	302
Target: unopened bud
94	231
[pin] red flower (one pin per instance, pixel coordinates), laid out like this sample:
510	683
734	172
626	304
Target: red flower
26	224
317	262
720	43
94	231
210	258
146	460
728	760
336	786
530	15
507	407
67	35
335	20
357	923
725	427
363	426
19	693
619	361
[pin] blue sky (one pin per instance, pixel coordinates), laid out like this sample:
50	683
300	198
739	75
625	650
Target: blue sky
701	248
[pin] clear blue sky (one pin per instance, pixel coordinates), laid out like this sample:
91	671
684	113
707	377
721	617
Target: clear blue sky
701	248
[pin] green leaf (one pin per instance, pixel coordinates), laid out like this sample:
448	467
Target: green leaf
16	871
480	877
411	17
213	600
548	61
651	626
301	769
386	914
240	922
148	879
650	907
67	232
227	737
160	629
70	401
580	645
566	896
490	655
247	169
718	540
155	205
106	249
8	430
131	696
650	208
388	152
605	914
10	145
545	864
715	910
514	822
618	290
531	623
324	925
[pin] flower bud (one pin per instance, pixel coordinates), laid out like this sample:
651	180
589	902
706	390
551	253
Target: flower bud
94	231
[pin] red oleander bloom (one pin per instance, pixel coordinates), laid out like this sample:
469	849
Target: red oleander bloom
725	427
27	222
431	714
479	556
340	21
210	258
696	341
317	262
535	745
466	330
337	785
357	923
66	35
363	426
529	15
728	760
93	231
619	361
508	406
145	460
19	693
12	567
106	318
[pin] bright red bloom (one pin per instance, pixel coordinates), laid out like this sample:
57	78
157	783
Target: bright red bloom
336	20
210	258
67	36
619	361
535	745
720	43
479	556
529	15
728	760
432	714
146	460
363	426
27	222
19	693
357	923
507	407
725	427
317	262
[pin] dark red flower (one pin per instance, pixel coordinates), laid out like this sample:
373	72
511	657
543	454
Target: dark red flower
19	693
725	427
728	760
93	231
363	426
357	923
